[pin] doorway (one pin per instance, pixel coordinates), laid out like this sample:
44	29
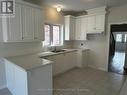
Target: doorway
117	54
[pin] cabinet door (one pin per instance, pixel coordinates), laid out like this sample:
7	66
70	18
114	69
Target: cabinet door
69	60
72	28
10	77
91	24
40	80
38	25
15	26
100	23
69	28
78	29
83	28
28	23
20	80
58	64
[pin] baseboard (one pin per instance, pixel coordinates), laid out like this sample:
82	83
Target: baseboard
3	86
102	69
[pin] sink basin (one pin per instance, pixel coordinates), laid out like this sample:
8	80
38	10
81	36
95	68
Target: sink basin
57	51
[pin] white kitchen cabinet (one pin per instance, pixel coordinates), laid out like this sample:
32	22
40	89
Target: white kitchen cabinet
11	28
36	81
70	60
16	79
28	23
91	24
100	22
69	27
63	62
96	23
38	25
78	29
40	81
25	26
82	58
81	28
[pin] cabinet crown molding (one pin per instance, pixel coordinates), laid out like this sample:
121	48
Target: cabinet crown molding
97	10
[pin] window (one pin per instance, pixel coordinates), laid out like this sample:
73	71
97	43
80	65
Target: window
53	35
47	35
119	38
125	38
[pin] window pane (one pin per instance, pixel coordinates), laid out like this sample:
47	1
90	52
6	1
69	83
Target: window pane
119	38
56	35
47	35
125	39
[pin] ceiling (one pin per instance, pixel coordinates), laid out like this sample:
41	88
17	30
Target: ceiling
79	5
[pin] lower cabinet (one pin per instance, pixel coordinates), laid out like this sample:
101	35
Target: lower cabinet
36	81
82	58
63	62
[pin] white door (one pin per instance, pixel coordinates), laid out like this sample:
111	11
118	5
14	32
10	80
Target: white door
28	23
100	22
78	29
91	24
15	26
38	25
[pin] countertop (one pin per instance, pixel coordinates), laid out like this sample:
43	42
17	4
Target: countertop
49	53
31	61
28	62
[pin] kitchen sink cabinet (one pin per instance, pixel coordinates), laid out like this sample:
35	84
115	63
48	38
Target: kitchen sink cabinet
63	62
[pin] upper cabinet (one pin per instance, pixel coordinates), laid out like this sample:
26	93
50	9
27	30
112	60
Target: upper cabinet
77	28
28	22
81	28
25	26
96	20
96	23
69	27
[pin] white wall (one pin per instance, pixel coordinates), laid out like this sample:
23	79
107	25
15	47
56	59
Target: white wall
97	55
99	44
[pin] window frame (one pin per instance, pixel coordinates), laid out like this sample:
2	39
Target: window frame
123	39
51	35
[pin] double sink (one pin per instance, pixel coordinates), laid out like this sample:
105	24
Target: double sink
55	52
58	51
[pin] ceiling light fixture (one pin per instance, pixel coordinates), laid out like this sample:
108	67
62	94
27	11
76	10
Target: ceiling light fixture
58	9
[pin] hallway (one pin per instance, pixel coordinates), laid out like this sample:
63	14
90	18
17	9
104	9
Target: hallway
117	63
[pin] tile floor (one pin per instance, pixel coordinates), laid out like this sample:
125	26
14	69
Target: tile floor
88	81
5	92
